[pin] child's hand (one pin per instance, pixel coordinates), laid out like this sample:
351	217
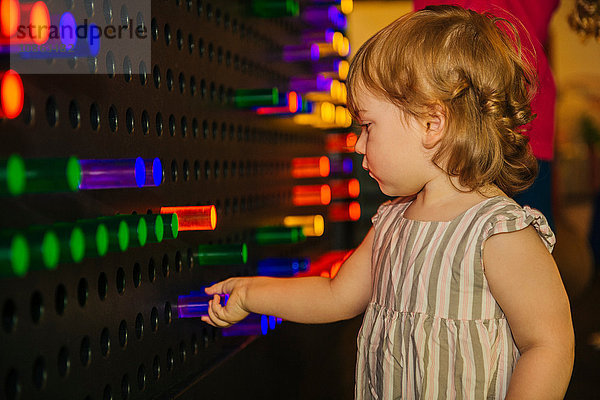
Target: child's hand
234	311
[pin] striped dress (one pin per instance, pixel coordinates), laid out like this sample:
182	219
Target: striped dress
432	329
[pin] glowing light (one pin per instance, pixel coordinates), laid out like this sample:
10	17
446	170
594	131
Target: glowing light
11	93
253	325
138	229
68	26
346	6
96	237
323	265
327	112
93	41
340	142
312	225
275	8
194	218
10	15
340	212
195	304
335	268
318	84
343	67
346	188
170	226
14	255
340	165
337	41
156	228
256	97
311	195
344	48
310	167
340	116
282	267
109	174
315	52
154	172
324	16
351	140
72	242
278	235
52	175
222	254
118	232
39	19
293	101
44	248
344	97
12	175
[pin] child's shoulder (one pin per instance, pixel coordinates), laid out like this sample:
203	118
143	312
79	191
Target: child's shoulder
502	214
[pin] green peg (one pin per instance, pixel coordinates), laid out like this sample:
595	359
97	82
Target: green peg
256	97
278	234
14	255
12	176
222	254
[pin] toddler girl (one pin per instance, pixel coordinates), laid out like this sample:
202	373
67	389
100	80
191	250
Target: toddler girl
461	296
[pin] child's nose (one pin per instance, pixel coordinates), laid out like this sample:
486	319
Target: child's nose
361	144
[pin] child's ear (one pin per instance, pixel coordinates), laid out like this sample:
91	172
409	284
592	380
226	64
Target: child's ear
435	126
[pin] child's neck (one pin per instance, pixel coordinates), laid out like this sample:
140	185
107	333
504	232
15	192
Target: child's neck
441	201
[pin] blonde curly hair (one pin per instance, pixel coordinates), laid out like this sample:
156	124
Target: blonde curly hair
473	66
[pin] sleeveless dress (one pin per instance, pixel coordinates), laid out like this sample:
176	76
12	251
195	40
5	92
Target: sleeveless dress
432	329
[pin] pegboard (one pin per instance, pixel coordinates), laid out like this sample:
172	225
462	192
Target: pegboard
107	327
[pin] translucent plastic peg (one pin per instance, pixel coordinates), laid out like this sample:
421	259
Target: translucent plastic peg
44	248
311	195
49	175
195	304
345	188
193	218
256	97
344	211
95	234
12	176
278	235
310	167
170	225
113	173
282	267
275	8
11	94
14	255
312	225
156	228
71	240
252	325
118	232
222	254
138	229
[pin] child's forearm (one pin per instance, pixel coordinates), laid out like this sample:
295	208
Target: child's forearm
541	373
304	300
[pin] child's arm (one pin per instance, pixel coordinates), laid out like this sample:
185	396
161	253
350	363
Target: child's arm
305	300
526	284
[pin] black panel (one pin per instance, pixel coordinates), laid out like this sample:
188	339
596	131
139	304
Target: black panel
106	328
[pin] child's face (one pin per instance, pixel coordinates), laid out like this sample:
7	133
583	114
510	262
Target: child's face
393	147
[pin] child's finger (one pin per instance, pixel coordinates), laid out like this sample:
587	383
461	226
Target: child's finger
216	288
216	313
